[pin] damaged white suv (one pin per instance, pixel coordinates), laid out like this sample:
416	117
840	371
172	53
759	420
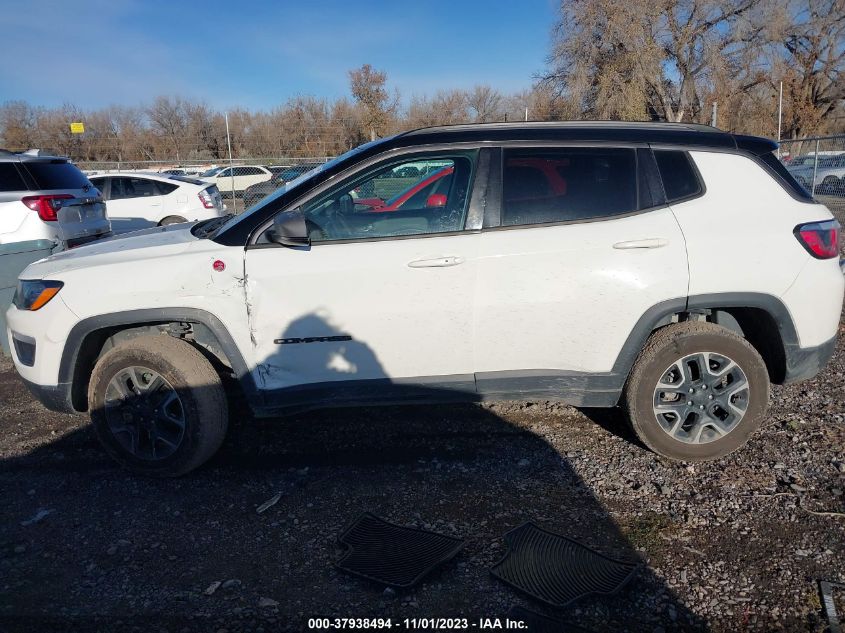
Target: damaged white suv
674	269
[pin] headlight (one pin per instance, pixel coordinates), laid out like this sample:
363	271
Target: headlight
32	295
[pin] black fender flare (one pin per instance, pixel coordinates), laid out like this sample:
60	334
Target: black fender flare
655	315
68	365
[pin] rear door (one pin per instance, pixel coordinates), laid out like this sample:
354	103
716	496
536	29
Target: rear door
134	203
248	175
577	246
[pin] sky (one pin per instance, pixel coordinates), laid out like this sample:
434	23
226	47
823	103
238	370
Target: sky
255	55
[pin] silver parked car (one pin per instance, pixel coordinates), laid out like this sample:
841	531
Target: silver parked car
829	174
48	198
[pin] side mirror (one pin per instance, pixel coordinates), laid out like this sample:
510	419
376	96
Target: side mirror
289	229
436	200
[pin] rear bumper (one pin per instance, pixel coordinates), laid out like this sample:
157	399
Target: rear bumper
802	363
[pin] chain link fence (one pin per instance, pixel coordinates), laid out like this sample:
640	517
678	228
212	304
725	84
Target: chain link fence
192	167
241	185
818	163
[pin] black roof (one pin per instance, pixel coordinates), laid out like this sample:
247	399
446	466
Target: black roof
683	134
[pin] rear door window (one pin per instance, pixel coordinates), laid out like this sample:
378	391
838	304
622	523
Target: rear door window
55	174
100	184
10	178
680	180
123	188
541	186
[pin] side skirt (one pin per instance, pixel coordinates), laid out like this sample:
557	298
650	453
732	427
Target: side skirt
580	390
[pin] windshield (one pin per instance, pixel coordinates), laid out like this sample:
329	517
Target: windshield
296	182
210	172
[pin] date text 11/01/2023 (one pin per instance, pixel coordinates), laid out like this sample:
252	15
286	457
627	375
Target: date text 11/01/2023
417	624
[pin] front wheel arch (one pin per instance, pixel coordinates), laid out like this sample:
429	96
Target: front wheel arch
89	339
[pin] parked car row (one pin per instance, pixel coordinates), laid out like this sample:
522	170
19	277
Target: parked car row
48	198
281	176
822	174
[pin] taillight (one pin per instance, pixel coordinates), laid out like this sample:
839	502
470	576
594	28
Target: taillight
206	199
820	239
47	206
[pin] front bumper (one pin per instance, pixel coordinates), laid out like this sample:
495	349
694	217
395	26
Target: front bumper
55	397
802	363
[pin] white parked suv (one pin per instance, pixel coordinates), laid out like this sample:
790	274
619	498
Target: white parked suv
236	178
675	270
47	198
139	201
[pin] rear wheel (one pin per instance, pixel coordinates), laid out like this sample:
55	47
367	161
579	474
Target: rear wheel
157	406
172	219
697	391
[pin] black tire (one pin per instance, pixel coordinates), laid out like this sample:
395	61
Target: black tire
201	401
172	219
671	344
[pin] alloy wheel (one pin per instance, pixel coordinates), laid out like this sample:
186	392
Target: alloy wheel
701	397
144	413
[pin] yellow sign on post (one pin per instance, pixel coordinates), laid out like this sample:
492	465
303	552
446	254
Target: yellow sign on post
77	128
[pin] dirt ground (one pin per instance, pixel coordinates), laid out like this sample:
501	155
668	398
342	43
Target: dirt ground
733	545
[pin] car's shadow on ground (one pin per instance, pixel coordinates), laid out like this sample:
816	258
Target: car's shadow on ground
118	550
613	421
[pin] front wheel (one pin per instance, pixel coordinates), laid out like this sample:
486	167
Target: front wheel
157	406
697	392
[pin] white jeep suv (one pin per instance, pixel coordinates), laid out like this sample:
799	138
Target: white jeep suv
673	269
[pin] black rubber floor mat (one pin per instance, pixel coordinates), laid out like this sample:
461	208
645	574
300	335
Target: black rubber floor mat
557	570
538	623
391	554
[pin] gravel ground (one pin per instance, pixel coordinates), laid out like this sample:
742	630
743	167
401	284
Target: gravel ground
733	545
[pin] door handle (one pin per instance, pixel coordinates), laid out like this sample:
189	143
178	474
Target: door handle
437	262
652	242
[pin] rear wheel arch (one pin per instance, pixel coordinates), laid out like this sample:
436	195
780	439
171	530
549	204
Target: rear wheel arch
92	337
760	318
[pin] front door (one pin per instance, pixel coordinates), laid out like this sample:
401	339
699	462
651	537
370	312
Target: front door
133	204
379	307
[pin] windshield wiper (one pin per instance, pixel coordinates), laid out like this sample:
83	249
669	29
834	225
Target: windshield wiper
209	226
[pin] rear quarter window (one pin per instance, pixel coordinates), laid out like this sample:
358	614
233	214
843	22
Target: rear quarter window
10	178
49	175
786	179
165	187
680	179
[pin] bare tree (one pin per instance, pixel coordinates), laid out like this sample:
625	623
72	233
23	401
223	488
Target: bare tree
810	58
18	127
369	89
169	117
485	103
635	59
447	107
